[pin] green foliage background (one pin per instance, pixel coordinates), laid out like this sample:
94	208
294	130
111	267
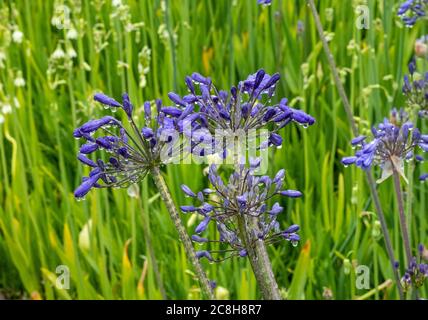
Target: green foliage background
40	221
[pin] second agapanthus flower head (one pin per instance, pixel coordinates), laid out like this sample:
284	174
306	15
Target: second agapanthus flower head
120	155
417	271
392	144
244	195
415	88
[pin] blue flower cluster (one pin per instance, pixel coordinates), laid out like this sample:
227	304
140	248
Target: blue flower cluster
412	10
416	273
415	88
130	153
244	196
242	108
393	142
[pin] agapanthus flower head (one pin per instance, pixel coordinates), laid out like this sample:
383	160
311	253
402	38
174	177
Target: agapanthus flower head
244	195
120	155
241	109
392	144
416	272
415	88
411	11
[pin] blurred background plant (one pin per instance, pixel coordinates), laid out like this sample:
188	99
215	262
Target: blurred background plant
55	54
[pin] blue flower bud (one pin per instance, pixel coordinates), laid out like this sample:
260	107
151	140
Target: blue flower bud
88	148
188	191
127	105
204	254
275	139
86	161
188	209
176	99
174	112
276	209
291	193
100	97
86	186
203	225
358	140
147	133
199	239
201	79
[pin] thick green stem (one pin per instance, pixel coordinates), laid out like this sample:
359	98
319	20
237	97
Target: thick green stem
259	260
182	233
409	198
388	243
350	116
403	223
256	249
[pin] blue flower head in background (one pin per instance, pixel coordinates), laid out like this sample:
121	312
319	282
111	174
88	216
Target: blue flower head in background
416	272
394	141
411	11
243	195
415	88
127	154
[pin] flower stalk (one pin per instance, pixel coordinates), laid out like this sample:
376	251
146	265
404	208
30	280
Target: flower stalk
403	223
371	182
256	250
182	233
259	260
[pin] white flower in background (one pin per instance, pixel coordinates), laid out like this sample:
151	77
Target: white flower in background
71	53
144	58
19	80
71	34
1	118
6	108
116	3
163	33
61	16
17	36
58	53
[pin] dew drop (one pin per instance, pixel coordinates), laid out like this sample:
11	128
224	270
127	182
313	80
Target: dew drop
294	243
